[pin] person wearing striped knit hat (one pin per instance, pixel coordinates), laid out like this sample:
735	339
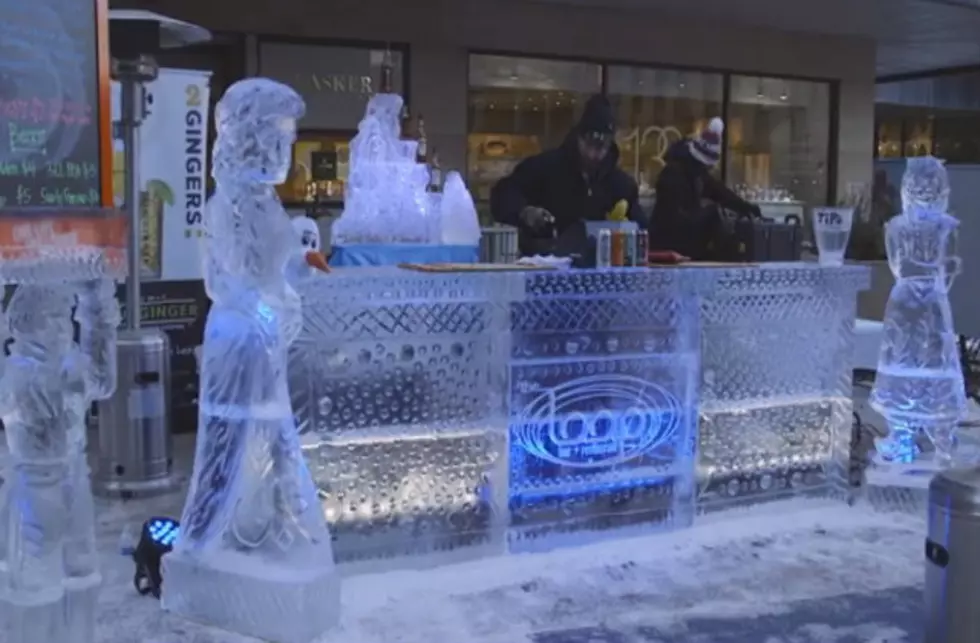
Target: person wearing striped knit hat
689	196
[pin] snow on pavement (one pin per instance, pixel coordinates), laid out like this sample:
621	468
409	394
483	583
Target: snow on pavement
748	565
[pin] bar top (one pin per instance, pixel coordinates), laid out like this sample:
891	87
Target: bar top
392	283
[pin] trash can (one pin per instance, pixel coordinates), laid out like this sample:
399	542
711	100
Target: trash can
135	456
953	557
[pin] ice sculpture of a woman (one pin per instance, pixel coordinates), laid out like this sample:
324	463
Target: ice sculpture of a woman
254	553
919	385
49	553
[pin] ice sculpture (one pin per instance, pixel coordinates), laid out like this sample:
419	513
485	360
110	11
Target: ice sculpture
459	222
919	385
386	199
254	554
306	259
50	575
410	381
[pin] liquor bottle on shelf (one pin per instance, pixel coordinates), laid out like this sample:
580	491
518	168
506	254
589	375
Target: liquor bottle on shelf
387	69
406	121
421	153
435	173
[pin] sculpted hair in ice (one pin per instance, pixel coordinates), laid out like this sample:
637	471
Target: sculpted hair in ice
248	234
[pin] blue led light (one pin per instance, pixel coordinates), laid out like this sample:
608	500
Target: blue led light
163	531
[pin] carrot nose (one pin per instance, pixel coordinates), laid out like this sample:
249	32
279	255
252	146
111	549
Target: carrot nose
317	260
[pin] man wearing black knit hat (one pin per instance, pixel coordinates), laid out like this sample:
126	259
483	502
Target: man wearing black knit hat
548	196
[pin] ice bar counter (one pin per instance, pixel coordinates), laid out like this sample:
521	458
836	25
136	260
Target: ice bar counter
462	414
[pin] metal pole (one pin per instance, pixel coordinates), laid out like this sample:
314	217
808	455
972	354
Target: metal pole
131	117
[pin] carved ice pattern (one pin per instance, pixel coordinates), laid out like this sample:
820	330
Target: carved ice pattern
409	443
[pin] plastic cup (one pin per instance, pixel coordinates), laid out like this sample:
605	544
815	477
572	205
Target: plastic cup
831	230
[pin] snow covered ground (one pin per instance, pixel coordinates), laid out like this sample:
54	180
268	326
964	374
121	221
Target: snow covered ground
795	574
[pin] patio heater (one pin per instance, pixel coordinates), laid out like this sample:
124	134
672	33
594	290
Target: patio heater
134	437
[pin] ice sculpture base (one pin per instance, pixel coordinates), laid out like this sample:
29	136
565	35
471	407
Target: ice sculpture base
899	488
81	597
237	593
902	488
30	622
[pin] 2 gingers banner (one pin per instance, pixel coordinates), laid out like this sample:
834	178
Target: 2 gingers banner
173	171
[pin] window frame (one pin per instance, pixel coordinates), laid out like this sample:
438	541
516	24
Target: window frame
833	94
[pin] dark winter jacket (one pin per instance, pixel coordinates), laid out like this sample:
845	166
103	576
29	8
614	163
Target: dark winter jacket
554	180
684	188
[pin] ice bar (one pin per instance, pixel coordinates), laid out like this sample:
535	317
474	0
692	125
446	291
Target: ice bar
466	414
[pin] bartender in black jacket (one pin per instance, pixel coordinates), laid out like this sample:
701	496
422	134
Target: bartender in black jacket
687	213
548	196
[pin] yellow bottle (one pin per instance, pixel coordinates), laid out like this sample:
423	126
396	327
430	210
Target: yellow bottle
619	211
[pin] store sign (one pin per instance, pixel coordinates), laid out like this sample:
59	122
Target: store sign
335	82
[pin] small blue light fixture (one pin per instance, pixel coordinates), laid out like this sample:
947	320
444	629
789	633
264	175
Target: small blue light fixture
157	538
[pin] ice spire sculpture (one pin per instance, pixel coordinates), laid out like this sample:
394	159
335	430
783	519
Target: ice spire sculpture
385	200
49	576
254	554
919	386
458	218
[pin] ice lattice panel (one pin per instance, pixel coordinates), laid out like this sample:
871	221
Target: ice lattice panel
776	386
404	392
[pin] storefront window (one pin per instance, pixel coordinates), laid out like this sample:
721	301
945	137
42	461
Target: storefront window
888	133
312	151
655	108
937	115
778	136
519	107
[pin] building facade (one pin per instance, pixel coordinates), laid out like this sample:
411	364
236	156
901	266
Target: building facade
498	80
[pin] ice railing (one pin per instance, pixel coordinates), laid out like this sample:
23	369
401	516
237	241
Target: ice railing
495	411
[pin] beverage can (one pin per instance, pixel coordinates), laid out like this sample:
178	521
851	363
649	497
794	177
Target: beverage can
603	249
629	249
643	248
617	256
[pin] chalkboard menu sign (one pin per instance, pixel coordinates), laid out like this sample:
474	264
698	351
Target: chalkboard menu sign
51	114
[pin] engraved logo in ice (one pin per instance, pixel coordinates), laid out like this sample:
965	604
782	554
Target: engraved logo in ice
598	421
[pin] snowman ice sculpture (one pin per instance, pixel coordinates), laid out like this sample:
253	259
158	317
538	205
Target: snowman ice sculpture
254	553
50	576
307	259
919	385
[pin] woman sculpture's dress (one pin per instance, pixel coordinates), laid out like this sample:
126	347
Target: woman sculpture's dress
919	385
254	554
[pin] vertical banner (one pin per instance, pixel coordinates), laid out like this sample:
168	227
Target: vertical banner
173	162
